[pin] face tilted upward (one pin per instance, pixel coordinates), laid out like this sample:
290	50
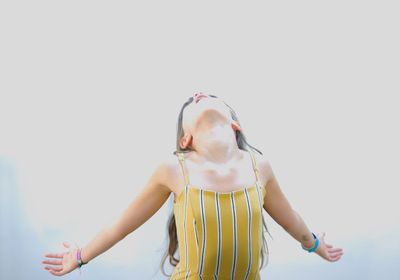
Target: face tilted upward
203	106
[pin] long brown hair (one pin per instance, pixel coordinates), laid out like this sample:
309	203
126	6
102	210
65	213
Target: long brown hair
171	225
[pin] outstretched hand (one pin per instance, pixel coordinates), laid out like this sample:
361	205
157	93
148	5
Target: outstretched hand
327	251
62	263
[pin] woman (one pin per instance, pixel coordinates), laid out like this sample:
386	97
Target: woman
217	218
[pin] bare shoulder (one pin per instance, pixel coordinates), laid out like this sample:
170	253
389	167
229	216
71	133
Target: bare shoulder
169	170
169	162
265	168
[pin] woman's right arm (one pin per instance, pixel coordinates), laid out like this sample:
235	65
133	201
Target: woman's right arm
144	206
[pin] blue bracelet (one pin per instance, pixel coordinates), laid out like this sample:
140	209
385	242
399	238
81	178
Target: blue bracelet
315	244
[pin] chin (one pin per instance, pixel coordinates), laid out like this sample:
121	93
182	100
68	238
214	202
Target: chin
213	113
211	103
209	107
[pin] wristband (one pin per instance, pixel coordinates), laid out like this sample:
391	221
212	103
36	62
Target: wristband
314	248
78	258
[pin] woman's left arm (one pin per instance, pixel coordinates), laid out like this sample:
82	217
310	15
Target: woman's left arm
279	208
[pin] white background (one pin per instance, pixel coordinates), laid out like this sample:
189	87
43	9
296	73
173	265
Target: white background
90	93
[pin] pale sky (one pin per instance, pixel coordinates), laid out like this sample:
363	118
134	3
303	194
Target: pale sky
89	101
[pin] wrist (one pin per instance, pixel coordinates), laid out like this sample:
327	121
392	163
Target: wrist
315	245
78	256
307	241
84	257
308	244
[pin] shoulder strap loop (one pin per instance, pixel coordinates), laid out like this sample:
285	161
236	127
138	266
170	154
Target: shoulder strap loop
182	163
255	166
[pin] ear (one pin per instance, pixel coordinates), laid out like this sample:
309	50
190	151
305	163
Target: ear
185	141
236	126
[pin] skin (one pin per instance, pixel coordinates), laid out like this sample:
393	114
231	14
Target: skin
215	164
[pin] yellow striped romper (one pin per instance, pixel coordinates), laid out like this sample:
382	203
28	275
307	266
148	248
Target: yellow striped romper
219	233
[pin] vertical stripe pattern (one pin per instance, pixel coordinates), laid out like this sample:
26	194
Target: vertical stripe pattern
219	233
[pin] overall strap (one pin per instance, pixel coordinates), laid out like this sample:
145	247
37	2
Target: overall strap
182	163
255	166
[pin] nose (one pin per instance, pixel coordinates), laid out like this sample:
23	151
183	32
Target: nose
198	96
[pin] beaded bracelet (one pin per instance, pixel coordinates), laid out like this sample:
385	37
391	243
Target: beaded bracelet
314	248
79	259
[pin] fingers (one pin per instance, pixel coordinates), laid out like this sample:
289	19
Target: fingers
55	262
58	255
53	268
55	255
331	254
335	257
335	250
57	272
335	254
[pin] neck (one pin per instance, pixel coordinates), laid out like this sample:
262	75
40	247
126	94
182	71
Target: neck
216	144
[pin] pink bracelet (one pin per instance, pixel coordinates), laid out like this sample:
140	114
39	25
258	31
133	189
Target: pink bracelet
78	258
